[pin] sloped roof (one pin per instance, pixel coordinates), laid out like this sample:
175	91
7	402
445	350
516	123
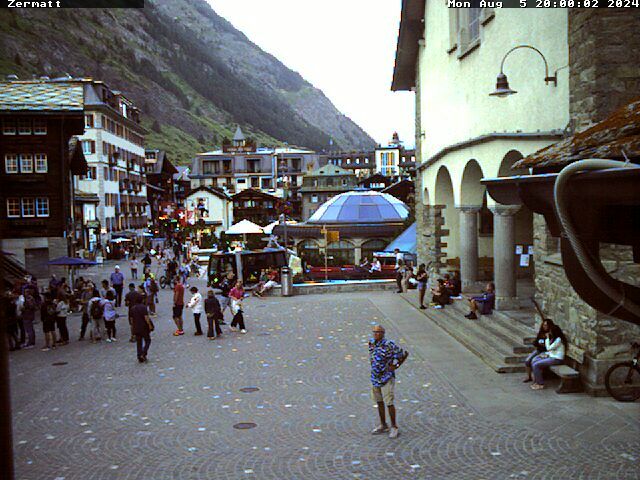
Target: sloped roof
616	136
238	136
329	170
410	32
212	190
41	96
183	173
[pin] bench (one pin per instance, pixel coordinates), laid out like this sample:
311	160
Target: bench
569	379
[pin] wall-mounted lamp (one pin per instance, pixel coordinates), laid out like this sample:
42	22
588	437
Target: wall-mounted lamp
502	84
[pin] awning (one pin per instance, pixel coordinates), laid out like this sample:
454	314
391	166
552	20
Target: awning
406	241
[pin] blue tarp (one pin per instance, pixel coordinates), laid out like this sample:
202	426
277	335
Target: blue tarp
405	242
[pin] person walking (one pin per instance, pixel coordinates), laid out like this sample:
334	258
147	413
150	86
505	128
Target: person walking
117	281
400	270
385	357
133	265
85	296
62	312
96	312
178	306
110	316
237	295
151	289
131	300
197	305
214	314
142	328
225	287
28	316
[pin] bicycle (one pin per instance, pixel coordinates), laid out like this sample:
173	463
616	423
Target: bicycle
623	379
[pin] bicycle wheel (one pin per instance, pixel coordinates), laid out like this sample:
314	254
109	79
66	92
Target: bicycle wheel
623	382
163	281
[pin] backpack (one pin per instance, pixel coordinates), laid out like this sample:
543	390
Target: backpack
52	311
97	309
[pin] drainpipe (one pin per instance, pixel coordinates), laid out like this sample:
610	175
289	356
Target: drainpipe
562	201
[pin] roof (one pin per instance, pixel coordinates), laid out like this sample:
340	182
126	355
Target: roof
406	241
614	137
366	207
410	32
183	173
252	192
161	163
376	177
329	170
77	161
41	96
238	136
212	190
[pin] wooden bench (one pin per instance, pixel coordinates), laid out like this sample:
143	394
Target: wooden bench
569	379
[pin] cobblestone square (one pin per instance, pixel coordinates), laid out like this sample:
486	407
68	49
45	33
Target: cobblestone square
102	415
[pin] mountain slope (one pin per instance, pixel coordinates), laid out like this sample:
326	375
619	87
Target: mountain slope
193	75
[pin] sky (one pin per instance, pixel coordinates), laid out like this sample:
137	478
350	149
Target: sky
346	48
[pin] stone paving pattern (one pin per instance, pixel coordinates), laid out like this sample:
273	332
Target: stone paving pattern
104	416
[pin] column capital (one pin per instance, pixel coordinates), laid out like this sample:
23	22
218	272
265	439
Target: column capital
468	208
505	210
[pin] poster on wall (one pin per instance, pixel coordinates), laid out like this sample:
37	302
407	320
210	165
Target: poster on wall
530	250
519	250
524	260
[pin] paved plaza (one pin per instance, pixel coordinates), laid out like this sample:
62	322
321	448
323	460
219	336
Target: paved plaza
102	415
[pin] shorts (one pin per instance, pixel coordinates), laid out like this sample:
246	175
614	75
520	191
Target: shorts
177	311
384	393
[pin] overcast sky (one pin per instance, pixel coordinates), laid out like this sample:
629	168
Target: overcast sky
346	48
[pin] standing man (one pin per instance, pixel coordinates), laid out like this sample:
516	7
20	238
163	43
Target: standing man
131	300
142	327
386	357
178	306
117	281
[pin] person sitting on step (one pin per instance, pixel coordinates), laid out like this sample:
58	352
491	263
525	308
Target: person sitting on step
440	295
484	303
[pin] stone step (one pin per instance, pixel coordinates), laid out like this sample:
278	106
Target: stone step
490	348
516	328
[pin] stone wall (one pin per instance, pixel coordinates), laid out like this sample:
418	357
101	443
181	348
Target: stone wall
604	54
596	340
57	247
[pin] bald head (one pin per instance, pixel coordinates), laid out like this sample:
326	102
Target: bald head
378	331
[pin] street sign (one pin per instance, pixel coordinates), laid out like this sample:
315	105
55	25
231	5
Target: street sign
333	236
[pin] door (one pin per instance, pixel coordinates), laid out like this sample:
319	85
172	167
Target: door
36	262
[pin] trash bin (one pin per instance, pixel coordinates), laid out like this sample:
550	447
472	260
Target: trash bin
286	281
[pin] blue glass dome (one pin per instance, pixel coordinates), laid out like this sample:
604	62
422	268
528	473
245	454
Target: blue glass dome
361	207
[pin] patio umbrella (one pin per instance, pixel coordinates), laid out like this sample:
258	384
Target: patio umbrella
269	228
120	240
71	262
244	228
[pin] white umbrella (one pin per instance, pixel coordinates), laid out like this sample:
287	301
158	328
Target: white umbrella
244	227
269	228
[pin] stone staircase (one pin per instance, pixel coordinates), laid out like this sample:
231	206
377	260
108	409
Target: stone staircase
501	340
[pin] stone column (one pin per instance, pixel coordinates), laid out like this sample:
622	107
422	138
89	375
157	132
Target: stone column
504	256
469	246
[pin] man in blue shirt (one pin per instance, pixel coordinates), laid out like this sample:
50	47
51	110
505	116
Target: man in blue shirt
386	357
117	281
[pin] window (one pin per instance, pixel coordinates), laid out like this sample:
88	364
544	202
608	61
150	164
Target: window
344	182
42	165
366	160
314	199
255	182
24	127
315	182
40	127
92	173
13	207
242	180
105	148
465	22
8	127
26	163
88	147
266	183
88	121
42	207
28	207
11	163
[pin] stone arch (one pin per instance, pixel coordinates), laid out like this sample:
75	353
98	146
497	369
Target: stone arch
341	253
445	199
372	245
472	192
511	157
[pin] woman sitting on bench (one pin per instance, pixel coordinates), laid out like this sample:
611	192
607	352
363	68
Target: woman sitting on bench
484	304
545	327
555	342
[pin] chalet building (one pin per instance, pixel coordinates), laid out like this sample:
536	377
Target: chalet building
113	143
210	208
256	206
376	181
181	185
39	119
160	183
471	127
393	161
241	165
404	190
322	184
